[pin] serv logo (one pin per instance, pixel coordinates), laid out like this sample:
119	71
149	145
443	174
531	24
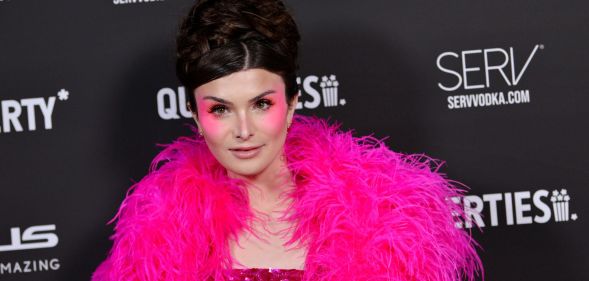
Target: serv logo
485	70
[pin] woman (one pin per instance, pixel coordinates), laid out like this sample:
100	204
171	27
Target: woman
261	194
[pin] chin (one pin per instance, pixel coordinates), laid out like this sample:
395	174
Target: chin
245	170
247	173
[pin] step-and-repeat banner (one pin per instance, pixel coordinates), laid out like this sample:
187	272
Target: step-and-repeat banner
498	90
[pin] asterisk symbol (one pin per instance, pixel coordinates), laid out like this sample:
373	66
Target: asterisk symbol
342	102
63	94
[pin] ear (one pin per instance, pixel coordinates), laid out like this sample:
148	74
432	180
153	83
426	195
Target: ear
291	108
194	116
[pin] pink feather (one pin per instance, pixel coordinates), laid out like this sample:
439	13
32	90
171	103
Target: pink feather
364	212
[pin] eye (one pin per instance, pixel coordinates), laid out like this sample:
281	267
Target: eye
263	104
218	109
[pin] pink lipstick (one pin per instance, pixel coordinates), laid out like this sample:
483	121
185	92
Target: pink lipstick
246	152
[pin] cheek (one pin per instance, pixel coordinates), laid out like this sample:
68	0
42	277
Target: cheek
209	123
275	120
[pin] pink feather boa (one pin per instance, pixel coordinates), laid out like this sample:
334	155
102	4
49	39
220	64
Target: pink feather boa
365	213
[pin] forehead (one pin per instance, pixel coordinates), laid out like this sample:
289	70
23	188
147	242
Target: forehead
241	85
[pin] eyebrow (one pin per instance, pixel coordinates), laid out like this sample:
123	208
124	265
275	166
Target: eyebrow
220	100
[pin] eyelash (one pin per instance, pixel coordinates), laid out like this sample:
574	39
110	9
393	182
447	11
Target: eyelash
264	104
220	109
216	109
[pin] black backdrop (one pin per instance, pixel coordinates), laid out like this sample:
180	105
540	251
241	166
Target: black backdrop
496	89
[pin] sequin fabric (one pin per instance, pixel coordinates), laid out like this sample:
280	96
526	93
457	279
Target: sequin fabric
265	274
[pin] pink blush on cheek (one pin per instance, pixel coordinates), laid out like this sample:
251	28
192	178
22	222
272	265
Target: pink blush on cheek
275	119
209	123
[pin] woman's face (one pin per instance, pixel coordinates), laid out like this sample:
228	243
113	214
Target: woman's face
244	119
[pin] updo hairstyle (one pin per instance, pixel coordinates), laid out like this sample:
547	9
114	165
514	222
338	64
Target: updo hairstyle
220	37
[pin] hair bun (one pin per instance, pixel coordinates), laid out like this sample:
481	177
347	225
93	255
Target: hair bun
213	23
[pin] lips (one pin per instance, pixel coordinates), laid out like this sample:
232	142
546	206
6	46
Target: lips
246	152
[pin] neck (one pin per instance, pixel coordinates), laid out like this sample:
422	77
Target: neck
267	189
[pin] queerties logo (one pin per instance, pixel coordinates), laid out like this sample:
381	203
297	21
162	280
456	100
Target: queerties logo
493	74
14	113
31	238
316	91
516	208
172	104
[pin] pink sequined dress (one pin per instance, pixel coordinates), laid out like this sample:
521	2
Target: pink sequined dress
265	274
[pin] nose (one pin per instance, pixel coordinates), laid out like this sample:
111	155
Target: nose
244	128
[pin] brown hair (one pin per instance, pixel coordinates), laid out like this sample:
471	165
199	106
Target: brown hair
220	37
